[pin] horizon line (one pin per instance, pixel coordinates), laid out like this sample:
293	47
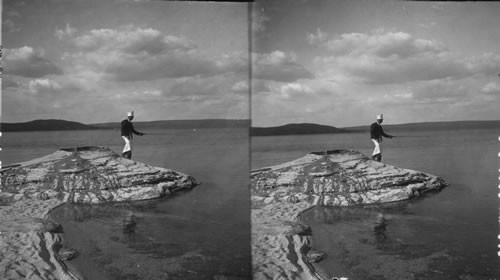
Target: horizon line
53	119
406	123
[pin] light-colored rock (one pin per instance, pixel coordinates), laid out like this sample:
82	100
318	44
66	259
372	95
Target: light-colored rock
67	254
336	178
29	242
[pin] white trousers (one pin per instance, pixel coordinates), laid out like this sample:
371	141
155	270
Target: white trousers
128	144
378	147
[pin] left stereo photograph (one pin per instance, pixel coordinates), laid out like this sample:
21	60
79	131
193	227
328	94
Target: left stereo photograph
125	140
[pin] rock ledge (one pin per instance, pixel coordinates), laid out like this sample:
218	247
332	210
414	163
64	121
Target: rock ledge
333	178
30	244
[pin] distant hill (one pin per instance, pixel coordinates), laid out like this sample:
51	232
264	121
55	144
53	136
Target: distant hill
309	128
454	125
40	125
173	124
294	128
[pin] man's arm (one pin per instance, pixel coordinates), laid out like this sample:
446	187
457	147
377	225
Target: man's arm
135	131
385	134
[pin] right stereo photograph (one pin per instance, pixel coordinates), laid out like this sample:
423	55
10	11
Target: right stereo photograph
375	140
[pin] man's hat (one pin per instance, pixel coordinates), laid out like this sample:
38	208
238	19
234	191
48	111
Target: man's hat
130	114
380	117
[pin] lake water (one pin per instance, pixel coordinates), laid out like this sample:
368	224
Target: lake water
200	234
447	235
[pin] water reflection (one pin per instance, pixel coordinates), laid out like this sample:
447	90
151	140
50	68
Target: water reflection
380	228
390	241
147	239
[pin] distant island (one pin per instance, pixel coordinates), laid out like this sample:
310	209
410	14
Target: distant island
43	125
309	128
294	128
54	124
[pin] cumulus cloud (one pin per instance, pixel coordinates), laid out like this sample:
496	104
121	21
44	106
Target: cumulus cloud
27	62
241	86
132	40
383	44
395	57
131	54
68	31
291	89
43	86
317	38
278	66
491	88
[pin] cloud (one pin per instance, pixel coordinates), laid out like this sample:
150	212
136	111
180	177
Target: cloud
132	54
241	86
290	89
317	38
67	32
38	86
278	66
131	40
27	62
491	88
396	57
383	44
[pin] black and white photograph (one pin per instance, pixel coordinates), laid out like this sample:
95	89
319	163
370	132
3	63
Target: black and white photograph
374	143
125	146
266	140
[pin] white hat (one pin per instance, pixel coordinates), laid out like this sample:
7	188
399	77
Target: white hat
130	114
380	117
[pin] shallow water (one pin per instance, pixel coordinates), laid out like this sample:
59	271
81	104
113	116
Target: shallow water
447	235
199	234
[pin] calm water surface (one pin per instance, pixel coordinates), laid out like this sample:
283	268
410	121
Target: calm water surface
447	235
199	234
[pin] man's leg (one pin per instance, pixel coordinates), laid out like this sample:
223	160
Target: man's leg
127	149
376	151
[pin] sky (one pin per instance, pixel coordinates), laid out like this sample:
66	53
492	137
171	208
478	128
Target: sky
92	61
341	63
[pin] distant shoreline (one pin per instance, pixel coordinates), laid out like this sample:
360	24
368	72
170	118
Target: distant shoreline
310	129
288	129
63	125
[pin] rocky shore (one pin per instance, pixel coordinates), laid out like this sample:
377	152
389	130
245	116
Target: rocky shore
281	246
30	243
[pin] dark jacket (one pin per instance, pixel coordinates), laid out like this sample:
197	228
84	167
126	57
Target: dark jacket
128	129
376	132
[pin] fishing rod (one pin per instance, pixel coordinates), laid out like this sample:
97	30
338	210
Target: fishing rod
164	133
408	136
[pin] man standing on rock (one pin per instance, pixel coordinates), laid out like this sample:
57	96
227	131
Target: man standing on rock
127	134
376	133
